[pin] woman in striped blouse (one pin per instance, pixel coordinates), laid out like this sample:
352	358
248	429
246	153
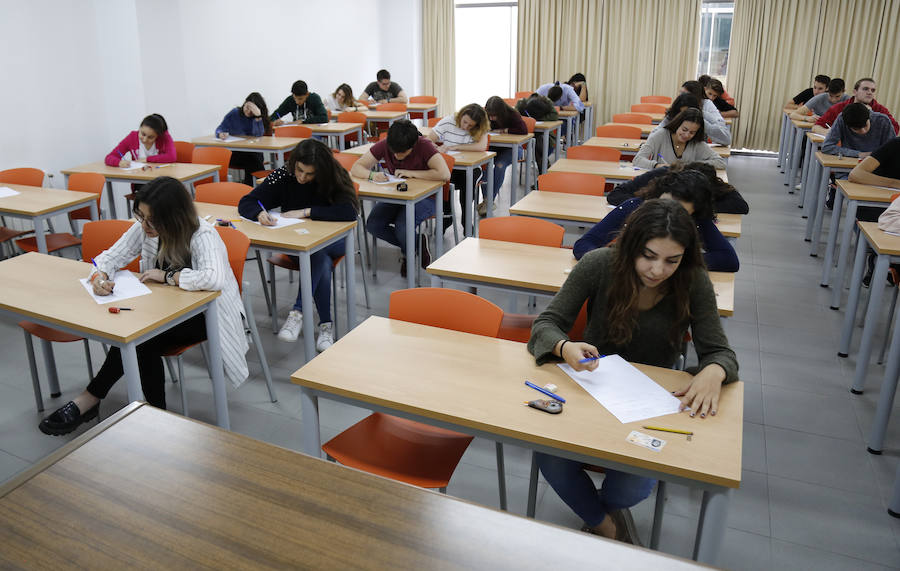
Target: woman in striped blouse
181	250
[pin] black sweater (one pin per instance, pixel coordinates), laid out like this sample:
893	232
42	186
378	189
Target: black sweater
281	189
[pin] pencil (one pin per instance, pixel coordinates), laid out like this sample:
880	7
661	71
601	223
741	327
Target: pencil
675	430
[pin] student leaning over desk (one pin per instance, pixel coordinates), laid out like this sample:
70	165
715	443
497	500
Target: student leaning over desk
881	168
342	100
716	128
251	119
179	249
682	139
504	119
301	105
863	92
643	294
312	185
151	142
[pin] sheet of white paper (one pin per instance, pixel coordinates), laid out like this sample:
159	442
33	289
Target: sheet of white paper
391	179
627	393
135	165
230	139
280	221
127	286
6	191
454	153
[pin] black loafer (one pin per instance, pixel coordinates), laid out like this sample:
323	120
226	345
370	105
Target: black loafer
67	419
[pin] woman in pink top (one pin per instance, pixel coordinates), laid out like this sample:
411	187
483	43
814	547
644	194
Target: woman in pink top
151	143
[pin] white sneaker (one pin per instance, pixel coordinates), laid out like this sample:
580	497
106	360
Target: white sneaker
326	336
291	328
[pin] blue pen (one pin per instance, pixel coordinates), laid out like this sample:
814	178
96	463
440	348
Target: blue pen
263	209
589	359
545	391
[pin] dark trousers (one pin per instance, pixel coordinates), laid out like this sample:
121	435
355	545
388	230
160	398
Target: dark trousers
150	364
250	162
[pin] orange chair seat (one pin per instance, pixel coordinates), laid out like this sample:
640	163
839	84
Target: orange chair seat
176	351
261	174
9	233
48	333
400	449
55	242
284	261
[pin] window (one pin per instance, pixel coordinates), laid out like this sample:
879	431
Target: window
715	35
486	35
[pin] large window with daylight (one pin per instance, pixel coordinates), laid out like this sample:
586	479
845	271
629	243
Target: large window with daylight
715	36
485	50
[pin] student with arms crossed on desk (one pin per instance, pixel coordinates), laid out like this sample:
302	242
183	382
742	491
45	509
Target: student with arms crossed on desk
179	249
404	153
342	100
312	185
821	103
691	189
383	90
863	92
682	139
249	120
151	143
820	84
504	119
300	105
643	294
714	92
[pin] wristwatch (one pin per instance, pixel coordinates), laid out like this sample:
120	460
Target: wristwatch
170	277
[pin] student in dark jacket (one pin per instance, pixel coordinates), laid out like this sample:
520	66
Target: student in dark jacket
300	105
313	185
249	120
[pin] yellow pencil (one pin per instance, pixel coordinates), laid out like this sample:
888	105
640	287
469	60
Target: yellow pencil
675	430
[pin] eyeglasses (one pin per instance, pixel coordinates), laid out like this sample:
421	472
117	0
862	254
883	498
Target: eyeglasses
141	220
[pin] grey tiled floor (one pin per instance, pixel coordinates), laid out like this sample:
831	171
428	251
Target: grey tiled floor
811	497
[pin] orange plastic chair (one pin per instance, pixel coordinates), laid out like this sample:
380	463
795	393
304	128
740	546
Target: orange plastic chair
406	450
639	118
523	230
352	117
430	99
346	159
227	193
648	108
85	182
663	99
392	107
184	150
572	183
511	102
593	153
212	156
530	123
27	177
434	121
523	94
517	326
298	131
619	131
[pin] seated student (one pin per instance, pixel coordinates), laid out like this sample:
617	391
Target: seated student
383	90
563	96
539	108
820	84
151	143
406	154
643	294
579	84
179	249
858	131
682	139
342	100
300	105
692	190
504	119
683	101
714	91
312	185
881	168
726	198
249	120
863	92
705	80
819	104
716	128
467	130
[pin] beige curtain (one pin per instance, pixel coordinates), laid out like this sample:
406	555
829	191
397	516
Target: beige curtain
848	23
887	63
439	53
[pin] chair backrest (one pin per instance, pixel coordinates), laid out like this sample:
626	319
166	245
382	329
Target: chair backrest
451	163
392	107
572	182
86	182
25	176
184	151
346	160
593	153
99	235
432	121
227	193
237	243
423	99
352	117
510	101
212	156
298	131
523	94
632	118
663	99
530	123
446	308
648	108
619	131
523	230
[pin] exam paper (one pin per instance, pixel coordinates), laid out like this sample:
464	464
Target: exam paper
280	221
134	166
391	178
5	191
627	393
231	139
127	286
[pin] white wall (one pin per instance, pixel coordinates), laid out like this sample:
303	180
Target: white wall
78	76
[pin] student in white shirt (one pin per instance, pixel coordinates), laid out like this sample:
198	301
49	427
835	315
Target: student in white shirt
342	100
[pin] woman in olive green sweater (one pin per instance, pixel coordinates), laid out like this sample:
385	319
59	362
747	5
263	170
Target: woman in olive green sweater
643	295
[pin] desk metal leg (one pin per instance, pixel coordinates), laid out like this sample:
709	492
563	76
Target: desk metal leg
811	196
112	199
846	237
853	301
411	265
132	372
514	174
350	260
214	344
894	507
489	173
658	514
438	224
832	238
711	527
804	173
886	394
795	158
790	150
882	262
545	155
529	158
532	487
469	211
309	413
501	475
39	234
306	302
558	143
782	145
820	212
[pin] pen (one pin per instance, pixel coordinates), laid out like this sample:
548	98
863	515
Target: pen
545	391
675	430
118	309
263	207
589	359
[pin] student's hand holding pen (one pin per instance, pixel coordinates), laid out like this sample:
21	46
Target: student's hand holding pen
575	352
265	219
378	177
101	284
223	135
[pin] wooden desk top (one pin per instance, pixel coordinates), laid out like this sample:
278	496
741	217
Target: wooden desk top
250	143
182	494
566	113
608	169
421	106
562	206
645	128
384	115
835	161
507	138
36	200
470	158
286	238
329	128
359	149
723	285
178	171
881	241
547	125
634	145
815	137
729	224
494	369
856	191
802	124
416	188
47	287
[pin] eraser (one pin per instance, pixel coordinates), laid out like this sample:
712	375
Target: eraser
551	387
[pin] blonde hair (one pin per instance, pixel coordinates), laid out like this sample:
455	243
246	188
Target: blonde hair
477	114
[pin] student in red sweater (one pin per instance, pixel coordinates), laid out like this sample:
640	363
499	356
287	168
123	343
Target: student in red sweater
863	92
150	143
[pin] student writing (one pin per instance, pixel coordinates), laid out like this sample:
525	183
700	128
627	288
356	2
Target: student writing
251	119
151	143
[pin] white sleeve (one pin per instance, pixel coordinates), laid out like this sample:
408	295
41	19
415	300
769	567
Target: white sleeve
209	263
120	254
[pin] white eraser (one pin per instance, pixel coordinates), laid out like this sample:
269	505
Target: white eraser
551	387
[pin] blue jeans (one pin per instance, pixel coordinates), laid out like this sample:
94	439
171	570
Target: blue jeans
501	161
320	267
388	221
572	484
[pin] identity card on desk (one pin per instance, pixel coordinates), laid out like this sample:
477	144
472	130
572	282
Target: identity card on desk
627	393
127	286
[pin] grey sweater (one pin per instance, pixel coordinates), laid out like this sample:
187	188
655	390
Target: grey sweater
881	131
590	280
659	144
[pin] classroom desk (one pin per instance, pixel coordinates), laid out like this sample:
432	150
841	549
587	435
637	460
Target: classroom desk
810	173
729	224
782	138
359	150
515	142
645	128
287	240
39	204
827	164
46	290
562	207
418	190
798	130
588	129
383	116
335	132
612	171
274	146
169	489
371	367
630	147
572	119
468	161
426	109
185	173
544	128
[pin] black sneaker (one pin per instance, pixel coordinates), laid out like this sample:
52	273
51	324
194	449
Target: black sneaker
870	269
829	200
424	254
402	266
66	419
